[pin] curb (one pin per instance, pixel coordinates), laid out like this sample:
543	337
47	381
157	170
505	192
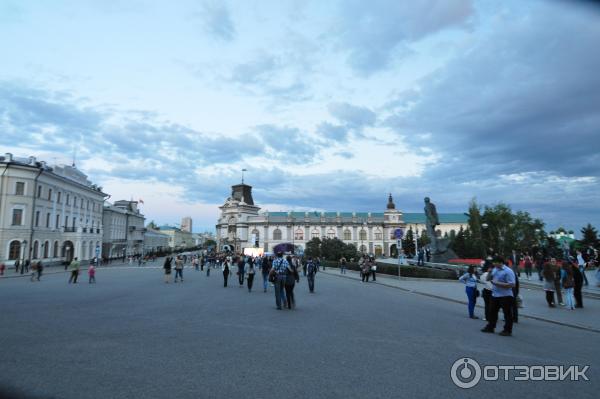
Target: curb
538	318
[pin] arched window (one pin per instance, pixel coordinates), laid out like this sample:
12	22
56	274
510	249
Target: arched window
363	234
299	235
256	234
55	251
14	250
330	233
91	250
46	249
36	248
347	235
378	234
315	234
277	235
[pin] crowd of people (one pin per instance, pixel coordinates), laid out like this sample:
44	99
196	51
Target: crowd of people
562	283
282	273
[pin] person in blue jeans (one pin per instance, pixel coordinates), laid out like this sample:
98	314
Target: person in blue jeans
279	268
470	280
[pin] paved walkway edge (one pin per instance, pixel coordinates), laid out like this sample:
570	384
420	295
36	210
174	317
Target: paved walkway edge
560	323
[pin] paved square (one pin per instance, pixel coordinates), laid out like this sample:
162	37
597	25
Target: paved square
133	336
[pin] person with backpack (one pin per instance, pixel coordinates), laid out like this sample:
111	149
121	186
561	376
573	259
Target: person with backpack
278	271
568	282
311	271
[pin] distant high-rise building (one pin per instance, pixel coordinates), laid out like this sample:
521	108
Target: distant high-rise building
186	224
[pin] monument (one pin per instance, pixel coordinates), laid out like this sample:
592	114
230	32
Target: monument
439	246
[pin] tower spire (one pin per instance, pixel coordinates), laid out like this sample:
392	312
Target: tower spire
390	204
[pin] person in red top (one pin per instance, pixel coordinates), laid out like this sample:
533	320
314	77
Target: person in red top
92	273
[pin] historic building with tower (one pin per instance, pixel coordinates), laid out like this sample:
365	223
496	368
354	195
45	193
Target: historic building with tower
242	225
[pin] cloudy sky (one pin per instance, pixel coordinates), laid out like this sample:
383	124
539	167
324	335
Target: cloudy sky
330	105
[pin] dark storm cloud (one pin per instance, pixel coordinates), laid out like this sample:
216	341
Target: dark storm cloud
525	98
373	33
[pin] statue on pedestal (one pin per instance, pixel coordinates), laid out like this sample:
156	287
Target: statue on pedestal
431	221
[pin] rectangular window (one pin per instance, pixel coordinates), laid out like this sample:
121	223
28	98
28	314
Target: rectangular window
378	236
57	225
20	188
39	193
17	217
49	194
66	221
68	197
58	197
48	220
37	218
88	205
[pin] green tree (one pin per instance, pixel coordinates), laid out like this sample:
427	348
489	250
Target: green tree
459	245
477	246
408	243
313	248
424	239
589	236
332	248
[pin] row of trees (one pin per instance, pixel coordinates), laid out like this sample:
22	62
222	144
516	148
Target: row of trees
497	229
330	249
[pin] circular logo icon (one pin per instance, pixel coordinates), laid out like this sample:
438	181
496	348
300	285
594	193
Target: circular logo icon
465	373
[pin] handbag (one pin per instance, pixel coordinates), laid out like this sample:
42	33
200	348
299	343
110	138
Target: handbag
477	293
271	276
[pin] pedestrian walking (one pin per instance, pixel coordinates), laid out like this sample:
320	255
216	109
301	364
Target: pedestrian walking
17	263
373	268
342	265
208	269
470	280
557	284
568	283
74	268
240	273
225	269
178	269
311	270
278	271
26	265
549	287
291	279
528	264
486	292
365	270
265	268
92	274
420	257
250	271
2	267
167	265
582	265
33	271
539	265
503	280
578	281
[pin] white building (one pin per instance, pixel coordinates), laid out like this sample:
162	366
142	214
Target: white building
178	239
186	224
155	241
48	213
241	225
123	229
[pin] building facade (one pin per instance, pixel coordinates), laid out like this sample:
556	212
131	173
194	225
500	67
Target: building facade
123	229
242	225
155	241
178	239
186	224
47	213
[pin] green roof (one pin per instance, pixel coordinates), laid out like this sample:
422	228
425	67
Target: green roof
408	217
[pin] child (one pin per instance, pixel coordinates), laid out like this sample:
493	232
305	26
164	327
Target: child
92	273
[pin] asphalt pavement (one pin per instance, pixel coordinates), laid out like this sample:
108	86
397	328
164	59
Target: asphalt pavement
130	335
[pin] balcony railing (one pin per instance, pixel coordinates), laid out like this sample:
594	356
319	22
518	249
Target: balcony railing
70	229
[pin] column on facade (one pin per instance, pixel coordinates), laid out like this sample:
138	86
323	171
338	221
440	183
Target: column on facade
54	202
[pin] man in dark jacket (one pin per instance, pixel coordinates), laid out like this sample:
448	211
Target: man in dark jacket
578	280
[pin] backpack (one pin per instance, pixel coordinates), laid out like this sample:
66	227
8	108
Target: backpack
311	268
569	281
